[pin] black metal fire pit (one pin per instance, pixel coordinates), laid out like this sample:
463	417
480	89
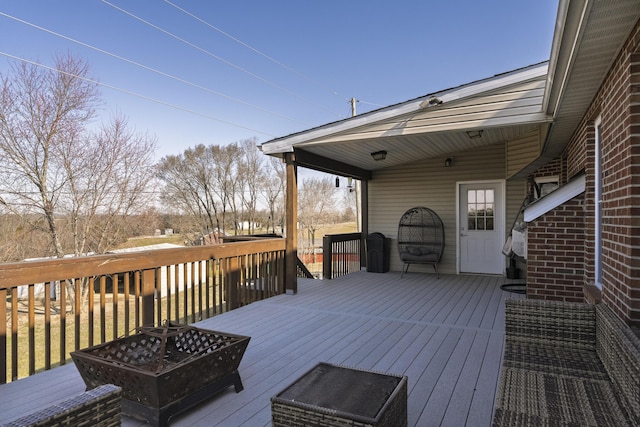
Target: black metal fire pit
164	370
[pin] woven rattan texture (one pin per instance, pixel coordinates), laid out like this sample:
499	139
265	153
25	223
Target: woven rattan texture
619	349
393	413
567	364
99	407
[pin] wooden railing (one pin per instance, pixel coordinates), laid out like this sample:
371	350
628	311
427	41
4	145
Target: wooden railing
340	254
51	307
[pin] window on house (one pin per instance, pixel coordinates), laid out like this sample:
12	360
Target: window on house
546	185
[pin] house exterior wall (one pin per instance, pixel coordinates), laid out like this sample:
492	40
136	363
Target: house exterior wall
617	104
429	183
555	260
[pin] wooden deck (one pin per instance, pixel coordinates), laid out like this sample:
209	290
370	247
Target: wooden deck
445	334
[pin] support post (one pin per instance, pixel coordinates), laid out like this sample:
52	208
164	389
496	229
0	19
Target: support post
291	250
364	221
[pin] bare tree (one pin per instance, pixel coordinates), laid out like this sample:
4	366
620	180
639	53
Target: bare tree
273	189
251	173
316	205
225	161
189	181
77	186
40	111
108	178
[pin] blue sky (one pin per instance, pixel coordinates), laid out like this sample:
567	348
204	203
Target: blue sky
253	68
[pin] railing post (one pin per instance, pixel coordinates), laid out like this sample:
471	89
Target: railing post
233	283
327	257
148	295
3	336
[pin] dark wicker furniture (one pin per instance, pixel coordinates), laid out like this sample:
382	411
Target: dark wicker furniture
99	407
333	395
567	364
420	238
165	370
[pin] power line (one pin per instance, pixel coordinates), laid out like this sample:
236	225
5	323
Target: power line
237	67
128	92
264	55
147	67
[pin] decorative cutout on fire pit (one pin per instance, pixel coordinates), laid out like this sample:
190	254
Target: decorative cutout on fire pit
164	370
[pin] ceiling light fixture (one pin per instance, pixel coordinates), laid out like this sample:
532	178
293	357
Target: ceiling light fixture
474	134
379	155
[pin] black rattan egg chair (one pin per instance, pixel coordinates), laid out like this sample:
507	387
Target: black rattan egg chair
420	238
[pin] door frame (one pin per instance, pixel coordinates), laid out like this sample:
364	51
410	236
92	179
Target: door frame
501	224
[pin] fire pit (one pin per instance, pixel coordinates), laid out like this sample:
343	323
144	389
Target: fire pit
164	370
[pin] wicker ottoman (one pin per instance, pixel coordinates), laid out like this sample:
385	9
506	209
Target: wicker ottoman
332	395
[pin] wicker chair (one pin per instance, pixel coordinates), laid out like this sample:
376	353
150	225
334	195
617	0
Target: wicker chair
99	407
420	238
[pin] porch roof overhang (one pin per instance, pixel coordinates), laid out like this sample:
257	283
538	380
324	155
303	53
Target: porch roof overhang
589	35
550	97
503	107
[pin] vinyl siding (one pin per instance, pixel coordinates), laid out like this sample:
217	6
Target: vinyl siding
522	151
429	183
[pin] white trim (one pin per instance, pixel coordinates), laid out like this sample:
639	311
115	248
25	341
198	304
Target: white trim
554	199
597	194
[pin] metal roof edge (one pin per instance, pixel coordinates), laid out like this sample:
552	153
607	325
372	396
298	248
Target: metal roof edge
556	198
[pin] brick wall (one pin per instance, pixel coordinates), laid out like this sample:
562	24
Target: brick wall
555	167
555	259
617	103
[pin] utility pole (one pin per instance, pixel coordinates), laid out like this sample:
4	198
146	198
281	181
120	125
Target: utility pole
353	106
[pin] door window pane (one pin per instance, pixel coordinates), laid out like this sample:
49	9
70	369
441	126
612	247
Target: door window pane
480	209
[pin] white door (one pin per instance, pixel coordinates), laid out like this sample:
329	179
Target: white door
481	222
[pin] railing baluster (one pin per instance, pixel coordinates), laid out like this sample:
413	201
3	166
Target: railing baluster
127	303
3	334
158	294
115	289
32	329
47	325
77	311
138	288
63	321
90	313
103	311
176	281
14	334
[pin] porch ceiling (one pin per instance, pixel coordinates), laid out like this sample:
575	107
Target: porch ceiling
503	107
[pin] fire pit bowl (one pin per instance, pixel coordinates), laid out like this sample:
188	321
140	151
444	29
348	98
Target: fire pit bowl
164	370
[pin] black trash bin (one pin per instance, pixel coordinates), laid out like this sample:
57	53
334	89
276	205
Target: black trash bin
378	248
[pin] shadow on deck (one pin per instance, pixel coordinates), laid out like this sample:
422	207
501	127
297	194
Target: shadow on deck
445	334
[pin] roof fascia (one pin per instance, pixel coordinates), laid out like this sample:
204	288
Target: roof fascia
569	29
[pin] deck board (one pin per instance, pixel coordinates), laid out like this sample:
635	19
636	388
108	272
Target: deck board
445	334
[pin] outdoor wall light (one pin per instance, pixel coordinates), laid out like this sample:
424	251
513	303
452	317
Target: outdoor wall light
449	162
434	100
474	134
379	155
